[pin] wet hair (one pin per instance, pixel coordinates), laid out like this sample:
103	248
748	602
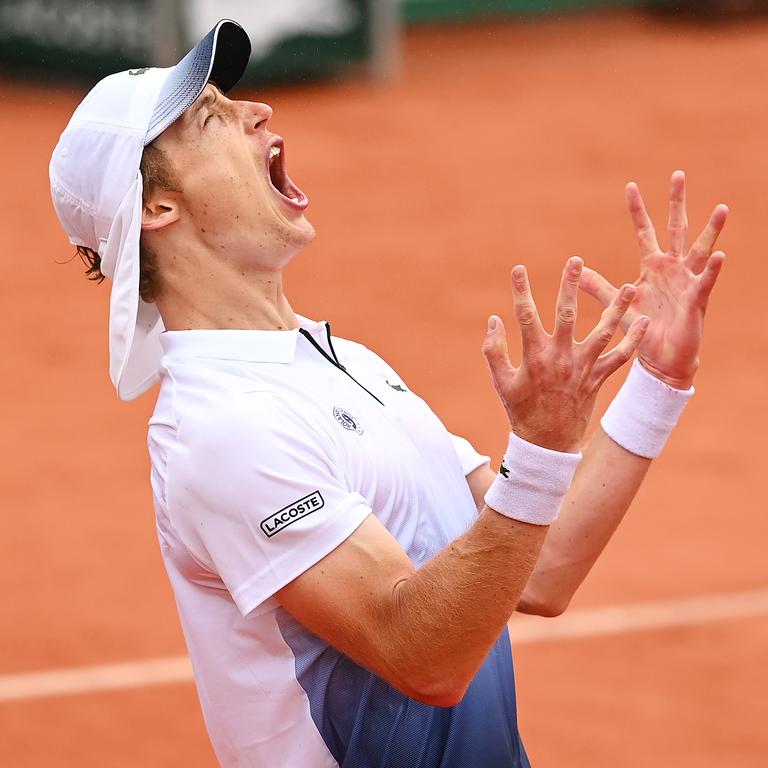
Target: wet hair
156	173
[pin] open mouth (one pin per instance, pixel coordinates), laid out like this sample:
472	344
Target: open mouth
279	179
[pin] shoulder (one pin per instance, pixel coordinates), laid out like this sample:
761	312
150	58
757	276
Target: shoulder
352	352
258	420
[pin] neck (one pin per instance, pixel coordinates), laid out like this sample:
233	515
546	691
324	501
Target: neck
225	298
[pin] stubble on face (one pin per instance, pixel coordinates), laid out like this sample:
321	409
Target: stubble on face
218	150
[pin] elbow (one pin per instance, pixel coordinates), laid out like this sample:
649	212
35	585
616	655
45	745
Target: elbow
433	686
548	606
443	694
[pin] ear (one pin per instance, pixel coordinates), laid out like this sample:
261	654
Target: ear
159	212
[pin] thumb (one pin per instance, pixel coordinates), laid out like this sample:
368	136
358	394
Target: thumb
496	352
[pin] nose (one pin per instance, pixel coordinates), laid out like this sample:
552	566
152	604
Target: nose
256	114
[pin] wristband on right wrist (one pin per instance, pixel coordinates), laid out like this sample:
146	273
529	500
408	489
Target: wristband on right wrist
532	482
644	413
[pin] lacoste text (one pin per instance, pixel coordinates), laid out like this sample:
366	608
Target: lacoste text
281	519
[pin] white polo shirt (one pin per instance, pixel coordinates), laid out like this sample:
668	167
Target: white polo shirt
268	449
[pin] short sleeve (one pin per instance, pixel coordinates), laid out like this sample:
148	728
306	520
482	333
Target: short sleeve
469	458
258	496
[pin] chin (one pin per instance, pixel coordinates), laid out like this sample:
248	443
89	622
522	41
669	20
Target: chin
301	233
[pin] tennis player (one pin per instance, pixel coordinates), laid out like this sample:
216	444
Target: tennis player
344	568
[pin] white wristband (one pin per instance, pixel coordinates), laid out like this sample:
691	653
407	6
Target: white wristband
644	413
532	482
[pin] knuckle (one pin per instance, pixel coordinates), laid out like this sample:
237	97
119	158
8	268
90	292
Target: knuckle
623	303
566	315
618	310
526	315
624	352
604	335
572	278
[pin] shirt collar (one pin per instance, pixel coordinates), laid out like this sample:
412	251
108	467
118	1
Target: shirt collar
251	346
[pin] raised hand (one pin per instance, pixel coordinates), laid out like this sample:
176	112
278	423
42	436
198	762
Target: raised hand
549	398
673	288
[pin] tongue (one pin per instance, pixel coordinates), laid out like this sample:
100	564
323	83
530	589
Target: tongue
284	186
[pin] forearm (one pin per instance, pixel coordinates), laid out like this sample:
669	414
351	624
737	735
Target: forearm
425	631
604	486
634	428
446	616
459	602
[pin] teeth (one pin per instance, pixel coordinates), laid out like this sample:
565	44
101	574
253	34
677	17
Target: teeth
274	152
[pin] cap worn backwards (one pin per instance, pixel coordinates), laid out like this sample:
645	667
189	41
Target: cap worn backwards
96	185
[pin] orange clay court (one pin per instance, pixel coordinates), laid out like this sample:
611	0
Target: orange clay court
497	144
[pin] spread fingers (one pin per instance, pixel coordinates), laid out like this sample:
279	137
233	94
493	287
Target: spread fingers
611	361
531	330
565	318
617	313
699	254
678	218
644	231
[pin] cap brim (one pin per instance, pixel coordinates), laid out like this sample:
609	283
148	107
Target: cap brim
221	57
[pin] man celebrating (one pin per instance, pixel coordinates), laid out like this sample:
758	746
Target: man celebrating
344	568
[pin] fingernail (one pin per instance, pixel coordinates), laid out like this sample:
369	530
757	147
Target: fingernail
644	323
491	324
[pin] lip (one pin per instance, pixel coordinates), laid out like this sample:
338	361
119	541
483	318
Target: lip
301	201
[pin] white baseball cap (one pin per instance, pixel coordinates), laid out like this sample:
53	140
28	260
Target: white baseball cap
96	185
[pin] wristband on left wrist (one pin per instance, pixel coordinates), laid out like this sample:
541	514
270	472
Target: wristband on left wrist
644	412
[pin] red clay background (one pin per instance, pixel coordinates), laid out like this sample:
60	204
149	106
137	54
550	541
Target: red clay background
495	145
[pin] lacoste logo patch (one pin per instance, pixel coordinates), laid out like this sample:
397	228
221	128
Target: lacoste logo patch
347	420
284	517
139	71
396	387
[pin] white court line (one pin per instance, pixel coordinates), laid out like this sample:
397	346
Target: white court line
105	677
633	617
611	620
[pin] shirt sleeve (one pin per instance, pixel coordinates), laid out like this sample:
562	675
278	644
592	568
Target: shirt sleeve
469	458
258	496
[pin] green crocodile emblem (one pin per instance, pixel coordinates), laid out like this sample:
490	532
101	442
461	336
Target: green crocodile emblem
139	71
396	387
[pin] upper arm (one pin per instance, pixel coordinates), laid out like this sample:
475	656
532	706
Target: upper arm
349	598
258	497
